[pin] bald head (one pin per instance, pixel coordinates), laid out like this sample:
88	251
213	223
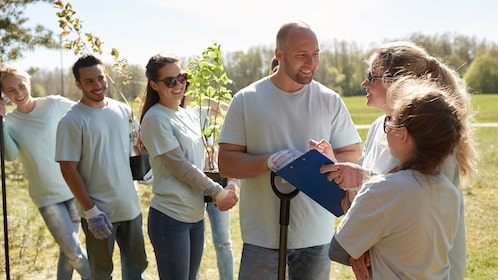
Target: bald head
291	27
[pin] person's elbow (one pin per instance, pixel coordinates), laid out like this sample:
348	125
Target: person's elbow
350	153
337	253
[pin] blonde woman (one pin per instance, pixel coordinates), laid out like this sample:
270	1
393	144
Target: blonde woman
29	133
388	63
407	220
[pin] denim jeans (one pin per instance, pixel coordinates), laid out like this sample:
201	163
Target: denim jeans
130	239
63	222
178	246
220	232
260	263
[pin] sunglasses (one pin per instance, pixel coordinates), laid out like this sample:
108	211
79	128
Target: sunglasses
170	82
371	77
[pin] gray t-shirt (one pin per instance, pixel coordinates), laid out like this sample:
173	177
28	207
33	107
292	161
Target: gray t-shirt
161	131
266	120
99	139
34	141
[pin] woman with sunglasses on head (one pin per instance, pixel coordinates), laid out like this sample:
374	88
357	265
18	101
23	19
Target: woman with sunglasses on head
408	219
174	141
30	133
388	63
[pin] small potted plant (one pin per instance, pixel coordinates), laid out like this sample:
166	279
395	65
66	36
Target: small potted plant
208	93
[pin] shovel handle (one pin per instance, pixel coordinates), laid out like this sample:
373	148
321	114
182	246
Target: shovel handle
281	195
285	199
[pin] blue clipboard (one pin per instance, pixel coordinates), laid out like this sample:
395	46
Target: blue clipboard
304	174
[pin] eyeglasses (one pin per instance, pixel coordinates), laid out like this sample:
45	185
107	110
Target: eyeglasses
389	126
170	82
371	77
387	120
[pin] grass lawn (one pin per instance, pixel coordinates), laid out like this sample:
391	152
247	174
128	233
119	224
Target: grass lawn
33	254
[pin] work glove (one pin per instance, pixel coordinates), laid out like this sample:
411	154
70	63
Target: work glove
147	179
282	158
98	223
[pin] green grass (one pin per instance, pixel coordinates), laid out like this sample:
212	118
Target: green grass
359	111
33	254
481	210
486	107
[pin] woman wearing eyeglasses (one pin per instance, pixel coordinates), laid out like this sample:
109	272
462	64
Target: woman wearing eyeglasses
173	139
408	218
389	63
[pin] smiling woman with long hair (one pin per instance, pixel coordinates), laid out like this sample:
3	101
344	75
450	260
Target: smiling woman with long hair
407	220
174	140
30	132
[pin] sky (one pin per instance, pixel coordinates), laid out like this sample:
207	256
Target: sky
139	29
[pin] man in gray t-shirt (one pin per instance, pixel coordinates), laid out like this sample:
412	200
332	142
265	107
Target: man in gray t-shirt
93	150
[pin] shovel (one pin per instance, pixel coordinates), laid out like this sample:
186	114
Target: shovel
285	199
4	203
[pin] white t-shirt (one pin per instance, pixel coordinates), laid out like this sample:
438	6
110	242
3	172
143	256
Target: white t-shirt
377	157
163	130
408	221
34	141
99	139
266	119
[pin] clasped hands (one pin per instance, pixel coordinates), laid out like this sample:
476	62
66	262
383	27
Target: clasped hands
226	198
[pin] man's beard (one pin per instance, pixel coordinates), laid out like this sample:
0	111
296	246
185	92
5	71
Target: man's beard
296	77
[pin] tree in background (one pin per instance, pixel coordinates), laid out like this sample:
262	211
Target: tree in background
482	75
80	42
246	67
342	67
15	36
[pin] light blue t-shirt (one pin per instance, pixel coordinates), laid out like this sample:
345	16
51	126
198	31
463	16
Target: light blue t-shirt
266	119
161	131
377	157
99	139
408	221
33	135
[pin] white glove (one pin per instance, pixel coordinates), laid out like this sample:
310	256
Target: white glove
98	223
281	158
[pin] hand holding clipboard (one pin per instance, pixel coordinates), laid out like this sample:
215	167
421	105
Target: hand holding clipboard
304	174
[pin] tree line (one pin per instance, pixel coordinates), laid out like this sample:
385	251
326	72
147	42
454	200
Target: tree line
342	67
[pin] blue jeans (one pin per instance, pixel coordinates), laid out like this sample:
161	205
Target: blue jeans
220	232
260	263
130	239
63	222
178	246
